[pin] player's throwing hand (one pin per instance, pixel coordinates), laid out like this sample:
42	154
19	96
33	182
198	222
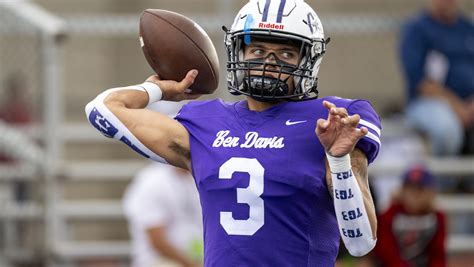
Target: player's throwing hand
176	91
339	133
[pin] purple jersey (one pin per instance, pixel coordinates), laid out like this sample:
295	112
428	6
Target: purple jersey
261	181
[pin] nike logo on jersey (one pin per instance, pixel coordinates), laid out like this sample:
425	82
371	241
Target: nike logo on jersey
289	122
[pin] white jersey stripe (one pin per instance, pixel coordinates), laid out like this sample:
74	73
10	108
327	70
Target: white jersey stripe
373	137
370	125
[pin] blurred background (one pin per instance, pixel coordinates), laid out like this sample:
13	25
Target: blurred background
61	182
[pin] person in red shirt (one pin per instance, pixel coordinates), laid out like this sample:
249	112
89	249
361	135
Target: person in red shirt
14	108
15	111
412	232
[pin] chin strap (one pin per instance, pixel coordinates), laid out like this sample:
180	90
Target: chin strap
265	86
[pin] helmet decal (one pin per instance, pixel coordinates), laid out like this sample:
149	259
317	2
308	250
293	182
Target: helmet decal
280	11
312	26
247	27
265	11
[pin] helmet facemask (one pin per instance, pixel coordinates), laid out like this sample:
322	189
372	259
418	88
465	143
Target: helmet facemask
267	84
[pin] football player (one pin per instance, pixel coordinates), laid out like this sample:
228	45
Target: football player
282	175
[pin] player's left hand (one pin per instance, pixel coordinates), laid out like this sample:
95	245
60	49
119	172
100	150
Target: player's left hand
339	133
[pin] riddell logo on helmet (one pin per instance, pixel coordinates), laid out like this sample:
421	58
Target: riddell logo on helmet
271	26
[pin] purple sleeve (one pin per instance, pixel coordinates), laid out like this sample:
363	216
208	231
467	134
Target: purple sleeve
185	117
189	117
196	117
369	144
182	113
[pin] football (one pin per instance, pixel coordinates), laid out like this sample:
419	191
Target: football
174	44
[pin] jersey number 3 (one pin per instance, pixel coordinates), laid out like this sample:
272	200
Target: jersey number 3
250	195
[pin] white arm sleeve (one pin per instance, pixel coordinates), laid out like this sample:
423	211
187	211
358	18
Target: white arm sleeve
110	126
351	214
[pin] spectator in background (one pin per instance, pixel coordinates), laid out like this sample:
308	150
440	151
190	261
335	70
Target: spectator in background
164	217
14	110
412	232
437	54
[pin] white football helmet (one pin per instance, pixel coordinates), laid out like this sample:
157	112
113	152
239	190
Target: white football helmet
275	21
